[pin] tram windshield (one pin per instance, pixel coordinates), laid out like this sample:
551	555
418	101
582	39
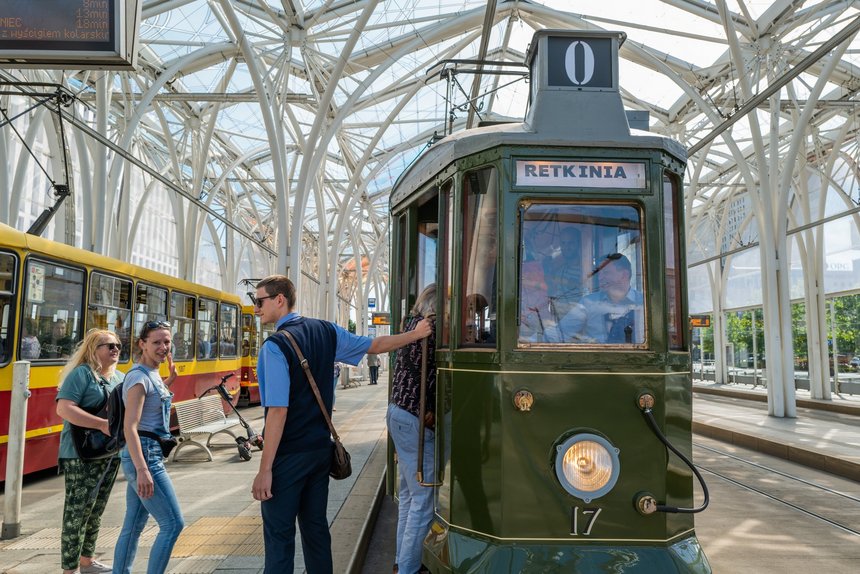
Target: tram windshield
581	277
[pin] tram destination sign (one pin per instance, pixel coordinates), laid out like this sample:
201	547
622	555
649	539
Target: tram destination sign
76	34
599	174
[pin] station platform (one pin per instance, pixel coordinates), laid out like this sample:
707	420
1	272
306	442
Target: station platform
223	531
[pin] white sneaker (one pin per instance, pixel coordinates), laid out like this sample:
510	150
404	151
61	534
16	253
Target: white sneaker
95	568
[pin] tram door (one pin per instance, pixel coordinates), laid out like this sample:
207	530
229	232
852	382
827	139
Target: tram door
415	252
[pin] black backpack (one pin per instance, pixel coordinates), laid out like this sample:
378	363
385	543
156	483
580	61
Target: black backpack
93	444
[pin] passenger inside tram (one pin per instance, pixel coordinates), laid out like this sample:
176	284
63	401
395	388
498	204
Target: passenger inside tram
613	314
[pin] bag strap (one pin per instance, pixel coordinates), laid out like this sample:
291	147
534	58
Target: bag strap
313	383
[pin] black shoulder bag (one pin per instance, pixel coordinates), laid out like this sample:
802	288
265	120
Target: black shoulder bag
341	465
92	444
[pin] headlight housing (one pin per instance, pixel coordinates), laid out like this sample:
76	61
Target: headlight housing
587	466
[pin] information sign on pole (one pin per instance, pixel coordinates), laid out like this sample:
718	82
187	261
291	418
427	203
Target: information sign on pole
371	302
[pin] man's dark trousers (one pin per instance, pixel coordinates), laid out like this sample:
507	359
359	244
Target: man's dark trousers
299	490
374	375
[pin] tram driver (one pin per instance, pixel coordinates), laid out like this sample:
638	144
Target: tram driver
612	315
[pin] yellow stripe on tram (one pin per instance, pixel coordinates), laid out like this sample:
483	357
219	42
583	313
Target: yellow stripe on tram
35	433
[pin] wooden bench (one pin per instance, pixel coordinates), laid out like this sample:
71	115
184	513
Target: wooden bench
202	418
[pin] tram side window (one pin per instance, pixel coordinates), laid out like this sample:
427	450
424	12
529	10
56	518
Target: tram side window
671	225
229	326
446	197
581	274
8	268
207	329
150	305
182	321
53	301
480	248
110	308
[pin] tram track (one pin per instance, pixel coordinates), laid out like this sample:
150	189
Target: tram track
762	474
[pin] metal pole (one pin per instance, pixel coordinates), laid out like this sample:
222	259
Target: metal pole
754	350
15	450
833	332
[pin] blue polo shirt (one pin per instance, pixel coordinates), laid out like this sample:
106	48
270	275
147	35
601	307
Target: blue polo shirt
272	364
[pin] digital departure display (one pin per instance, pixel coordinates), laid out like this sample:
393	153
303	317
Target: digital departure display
57	24
68	33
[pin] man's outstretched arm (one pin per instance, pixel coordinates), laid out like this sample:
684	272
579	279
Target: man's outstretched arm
388	343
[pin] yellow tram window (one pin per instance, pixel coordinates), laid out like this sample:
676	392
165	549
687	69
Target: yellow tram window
581	278
150	304
207	329
110	308
229	325
182	320
8	264
52	314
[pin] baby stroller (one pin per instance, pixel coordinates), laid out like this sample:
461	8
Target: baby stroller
244	444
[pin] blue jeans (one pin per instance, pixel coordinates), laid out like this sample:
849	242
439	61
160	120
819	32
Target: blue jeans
415	512
299	491
162	505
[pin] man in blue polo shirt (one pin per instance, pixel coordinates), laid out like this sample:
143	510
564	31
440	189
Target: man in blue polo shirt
292	482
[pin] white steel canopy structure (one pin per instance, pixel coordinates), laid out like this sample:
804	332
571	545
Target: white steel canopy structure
261	136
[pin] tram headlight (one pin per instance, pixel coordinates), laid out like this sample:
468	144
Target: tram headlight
587	466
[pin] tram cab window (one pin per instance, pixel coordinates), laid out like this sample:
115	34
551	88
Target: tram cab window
228	326
581	275
207	329
150	304
53	301
110	308
182	321
480	249
8	267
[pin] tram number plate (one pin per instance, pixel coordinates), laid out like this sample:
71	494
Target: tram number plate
582	520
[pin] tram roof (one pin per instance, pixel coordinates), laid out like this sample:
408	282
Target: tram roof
60	252
469	142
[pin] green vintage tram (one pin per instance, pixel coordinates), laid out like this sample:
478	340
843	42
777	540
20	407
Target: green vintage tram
563	359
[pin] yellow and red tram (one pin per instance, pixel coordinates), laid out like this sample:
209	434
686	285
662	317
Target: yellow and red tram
51	294
253	335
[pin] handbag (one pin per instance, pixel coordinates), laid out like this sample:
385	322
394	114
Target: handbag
92	444
341	463
167	443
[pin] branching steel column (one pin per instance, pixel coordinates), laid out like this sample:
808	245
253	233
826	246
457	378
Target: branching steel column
847	32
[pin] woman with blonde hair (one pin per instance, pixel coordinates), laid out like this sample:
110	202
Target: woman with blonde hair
85	383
